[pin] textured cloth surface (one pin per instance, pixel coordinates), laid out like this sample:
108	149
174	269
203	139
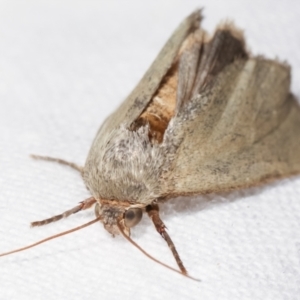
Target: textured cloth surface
64	66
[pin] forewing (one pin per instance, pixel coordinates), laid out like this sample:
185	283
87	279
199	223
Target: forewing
139	98
243	130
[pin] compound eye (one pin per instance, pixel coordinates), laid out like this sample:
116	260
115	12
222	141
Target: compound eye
132	216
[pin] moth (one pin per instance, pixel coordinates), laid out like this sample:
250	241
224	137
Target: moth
206	117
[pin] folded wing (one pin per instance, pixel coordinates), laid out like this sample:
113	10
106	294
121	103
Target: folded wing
239	128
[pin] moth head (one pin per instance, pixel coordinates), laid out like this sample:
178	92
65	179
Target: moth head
115	216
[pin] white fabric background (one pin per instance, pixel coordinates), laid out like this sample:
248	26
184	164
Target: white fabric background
64	66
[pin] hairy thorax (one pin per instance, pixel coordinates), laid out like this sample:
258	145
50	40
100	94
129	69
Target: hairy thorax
126	166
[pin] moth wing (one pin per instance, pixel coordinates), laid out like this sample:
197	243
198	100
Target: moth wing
243	130
137	101
107	173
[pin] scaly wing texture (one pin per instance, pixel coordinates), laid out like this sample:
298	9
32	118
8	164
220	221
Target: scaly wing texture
240	131
136	102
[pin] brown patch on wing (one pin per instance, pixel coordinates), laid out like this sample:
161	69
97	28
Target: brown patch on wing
199	60
162	107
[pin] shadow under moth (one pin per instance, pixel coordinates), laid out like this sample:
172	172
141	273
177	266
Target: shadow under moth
206	117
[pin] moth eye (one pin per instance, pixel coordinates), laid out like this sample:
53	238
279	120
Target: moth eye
132	216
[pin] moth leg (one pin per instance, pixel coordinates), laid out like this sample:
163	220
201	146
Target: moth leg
153	213
87	203
58	160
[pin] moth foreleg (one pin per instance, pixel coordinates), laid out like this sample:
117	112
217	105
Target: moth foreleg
60	161
87	203
153	213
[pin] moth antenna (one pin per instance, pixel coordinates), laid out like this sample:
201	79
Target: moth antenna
87	203
150	256
58	160
52	237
